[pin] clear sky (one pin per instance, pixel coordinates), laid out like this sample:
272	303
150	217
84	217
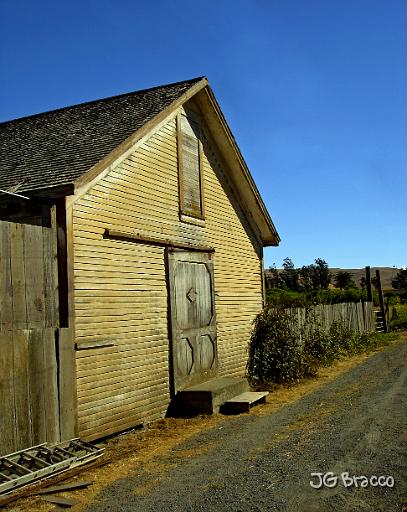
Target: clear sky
315	92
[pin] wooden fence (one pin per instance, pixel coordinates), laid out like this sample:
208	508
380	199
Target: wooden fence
36	356
36	388
28	276
359	316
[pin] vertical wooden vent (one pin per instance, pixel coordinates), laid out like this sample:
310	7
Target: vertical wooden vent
190	167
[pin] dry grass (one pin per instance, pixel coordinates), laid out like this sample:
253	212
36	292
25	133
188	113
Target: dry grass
146	449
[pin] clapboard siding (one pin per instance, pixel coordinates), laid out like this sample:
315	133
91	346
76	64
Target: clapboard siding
121	290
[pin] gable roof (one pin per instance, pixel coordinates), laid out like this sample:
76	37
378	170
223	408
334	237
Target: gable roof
56	148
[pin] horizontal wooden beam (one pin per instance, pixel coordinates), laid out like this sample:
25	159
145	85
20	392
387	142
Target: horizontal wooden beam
136	237
86	345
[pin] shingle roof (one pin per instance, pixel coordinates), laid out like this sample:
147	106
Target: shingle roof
57	147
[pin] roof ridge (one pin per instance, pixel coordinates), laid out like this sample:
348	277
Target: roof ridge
39	114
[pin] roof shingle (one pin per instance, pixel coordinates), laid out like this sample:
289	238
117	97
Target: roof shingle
55	148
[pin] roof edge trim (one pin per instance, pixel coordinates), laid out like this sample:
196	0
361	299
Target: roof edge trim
244	167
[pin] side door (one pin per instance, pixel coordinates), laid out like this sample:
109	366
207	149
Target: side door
193	319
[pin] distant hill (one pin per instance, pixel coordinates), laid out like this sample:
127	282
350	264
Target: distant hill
387	274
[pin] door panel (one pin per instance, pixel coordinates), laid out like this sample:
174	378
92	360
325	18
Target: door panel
193	319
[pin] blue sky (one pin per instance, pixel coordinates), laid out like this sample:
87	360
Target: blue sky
315	92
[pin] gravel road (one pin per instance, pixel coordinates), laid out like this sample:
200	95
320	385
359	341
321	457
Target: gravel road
263	462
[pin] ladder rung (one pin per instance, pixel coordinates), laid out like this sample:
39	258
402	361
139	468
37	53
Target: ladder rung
7	477
65	452
30	456
82	446
49	454
17	465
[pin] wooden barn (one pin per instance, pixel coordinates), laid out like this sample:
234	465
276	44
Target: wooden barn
131	260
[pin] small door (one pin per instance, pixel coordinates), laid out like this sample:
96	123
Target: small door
193	319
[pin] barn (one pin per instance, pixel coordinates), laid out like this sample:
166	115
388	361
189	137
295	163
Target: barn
131	253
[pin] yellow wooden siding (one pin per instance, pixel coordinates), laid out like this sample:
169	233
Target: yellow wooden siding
120	287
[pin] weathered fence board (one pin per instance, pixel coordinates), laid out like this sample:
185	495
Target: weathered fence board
21	389
28	277
7	430
6	295
66	384
29	405
37	366
356	316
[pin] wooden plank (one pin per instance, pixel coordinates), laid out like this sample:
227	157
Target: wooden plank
7	430
70	257
18	276
67	384
51	272
38	399
112	233
6	293
50	385
94	344
24	432
66	487
62	502
34	275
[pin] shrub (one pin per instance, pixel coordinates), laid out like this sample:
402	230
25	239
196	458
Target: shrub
279	297
280	352
398	324
275	354
286	298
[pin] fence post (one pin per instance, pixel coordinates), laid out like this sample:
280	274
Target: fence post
379	289
368	284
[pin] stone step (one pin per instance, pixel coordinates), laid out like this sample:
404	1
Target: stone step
207	397
244	402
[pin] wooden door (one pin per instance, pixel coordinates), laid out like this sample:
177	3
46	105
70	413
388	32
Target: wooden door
193	319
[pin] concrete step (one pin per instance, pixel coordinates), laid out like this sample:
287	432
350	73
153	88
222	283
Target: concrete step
244	402
207	397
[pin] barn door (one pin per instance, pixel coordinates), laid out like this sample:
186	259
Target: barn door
193	320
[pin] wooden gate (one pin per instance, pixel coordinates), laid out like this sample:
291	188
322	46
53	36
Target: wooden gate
36	357
193	319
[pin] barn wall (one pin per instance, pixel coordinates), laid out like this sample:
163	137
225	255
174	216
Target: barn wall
120	287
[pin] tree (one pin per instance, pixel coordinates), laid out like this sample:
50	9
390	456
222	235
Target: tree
322	277
315	276
344	281
400	281
273	278
290	275
306	277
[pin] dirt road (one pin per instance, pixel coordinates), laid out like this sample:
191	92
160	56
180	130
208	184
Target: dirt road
264	461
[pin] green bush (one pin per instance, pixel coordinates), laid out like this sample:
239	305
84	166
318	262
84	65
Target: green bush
400	321
281	353
280	297
275	354
398	324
